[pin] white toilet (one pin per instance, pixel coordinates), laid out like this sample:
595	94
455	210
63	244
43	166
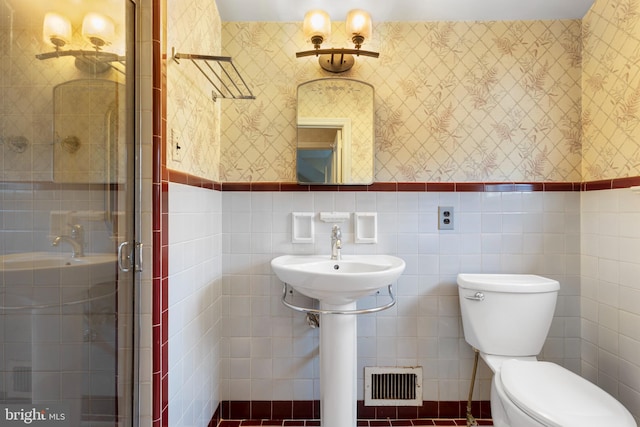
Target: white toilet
506	317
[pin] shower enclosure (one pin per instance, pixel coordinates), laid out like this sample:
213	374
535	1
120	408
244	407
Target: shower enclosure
68	213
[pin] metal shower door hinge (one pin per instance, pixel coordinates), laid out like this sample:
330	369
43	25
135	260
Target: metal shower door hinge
138	258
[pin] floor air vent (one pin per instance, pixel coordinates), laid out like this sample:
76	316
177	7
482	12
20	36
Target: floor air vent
19	379
392	386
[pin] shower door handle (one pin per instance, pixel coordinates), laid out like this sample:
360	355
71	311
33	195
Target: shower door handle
125	257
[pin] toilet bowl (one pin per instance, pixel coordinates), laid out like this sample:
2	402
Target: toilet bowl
506	317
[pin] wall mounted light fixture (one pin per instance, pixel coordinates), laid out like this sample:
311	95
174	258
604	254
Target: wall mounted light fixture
317	28
97	29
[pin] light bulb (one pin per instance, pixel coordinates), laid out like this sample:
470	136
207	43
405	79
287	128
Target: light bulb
98	29
56	30
316	26
359	26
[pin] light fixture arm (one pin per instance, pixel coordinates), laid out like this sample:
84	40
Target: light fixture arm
95	61
337	60
99	55
342	51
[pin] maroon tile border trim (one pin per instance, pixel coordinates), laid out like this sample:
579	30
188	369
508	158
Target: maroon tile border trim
450	422
160	225
310	409
401	187
632	181
597	185
191	180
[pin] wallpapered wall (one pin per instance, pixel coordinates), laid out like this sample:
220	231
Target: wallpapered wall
455	101
28	136
193	118
611	90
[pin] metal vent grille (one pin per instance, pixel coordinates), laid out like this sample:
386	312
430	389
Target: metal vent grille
22	379
393	386
19	379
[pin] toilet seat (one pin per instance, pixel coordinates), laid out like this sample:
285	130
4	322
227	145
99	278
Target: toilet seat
556	397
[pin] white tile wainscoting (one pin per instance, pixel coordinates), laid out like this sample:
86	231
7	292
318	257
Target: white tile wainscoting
270	351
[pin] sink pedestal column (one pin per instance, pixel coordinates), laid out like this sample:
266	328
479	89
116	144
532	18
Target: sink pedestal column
338	362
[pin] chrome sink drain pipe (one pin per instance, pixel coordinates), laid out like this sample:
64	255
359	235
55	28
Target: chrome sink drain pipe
313	320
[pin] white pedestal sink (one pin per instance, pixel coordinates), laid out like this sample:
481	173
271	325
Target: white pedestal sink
338	284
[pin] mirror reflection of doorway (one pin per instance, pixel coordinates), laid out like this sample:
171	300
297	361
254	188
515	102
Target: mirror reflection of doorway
324	150
331	103
320	155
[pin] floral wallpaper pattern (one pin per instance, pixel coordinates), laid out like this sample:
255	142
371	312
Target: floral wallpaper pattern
27	139
193	117
455	101
611	90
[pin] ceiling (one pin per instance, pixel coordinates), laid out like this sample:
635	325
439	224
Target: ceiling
381	10
406	10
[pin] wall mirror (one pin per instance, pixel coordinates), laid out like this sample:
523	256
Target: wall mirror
88	128
89	138
335	132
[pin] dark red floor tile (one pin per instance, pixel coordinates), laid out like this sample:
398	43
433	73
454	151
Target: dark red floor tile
251	423
453	422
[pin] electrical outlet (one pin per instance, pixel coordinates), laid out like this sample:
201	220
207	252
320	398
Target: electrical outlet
445	217
177	148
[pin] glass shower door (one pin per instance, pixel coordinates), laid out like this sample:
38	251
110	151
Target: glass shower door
67	213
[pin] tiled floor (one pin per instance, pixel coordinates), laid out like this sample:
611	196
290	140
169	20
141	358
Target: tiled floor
361	423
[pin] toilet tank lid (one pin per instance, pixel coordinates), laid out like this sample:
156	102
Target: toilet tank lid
512	283
556	396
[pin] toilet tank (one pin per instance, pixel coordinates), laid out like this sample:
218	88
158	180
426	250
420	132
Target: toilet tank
507	314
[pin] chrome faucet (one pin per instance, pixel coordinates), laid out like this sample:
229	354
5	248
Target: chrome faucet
336	242
76	240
